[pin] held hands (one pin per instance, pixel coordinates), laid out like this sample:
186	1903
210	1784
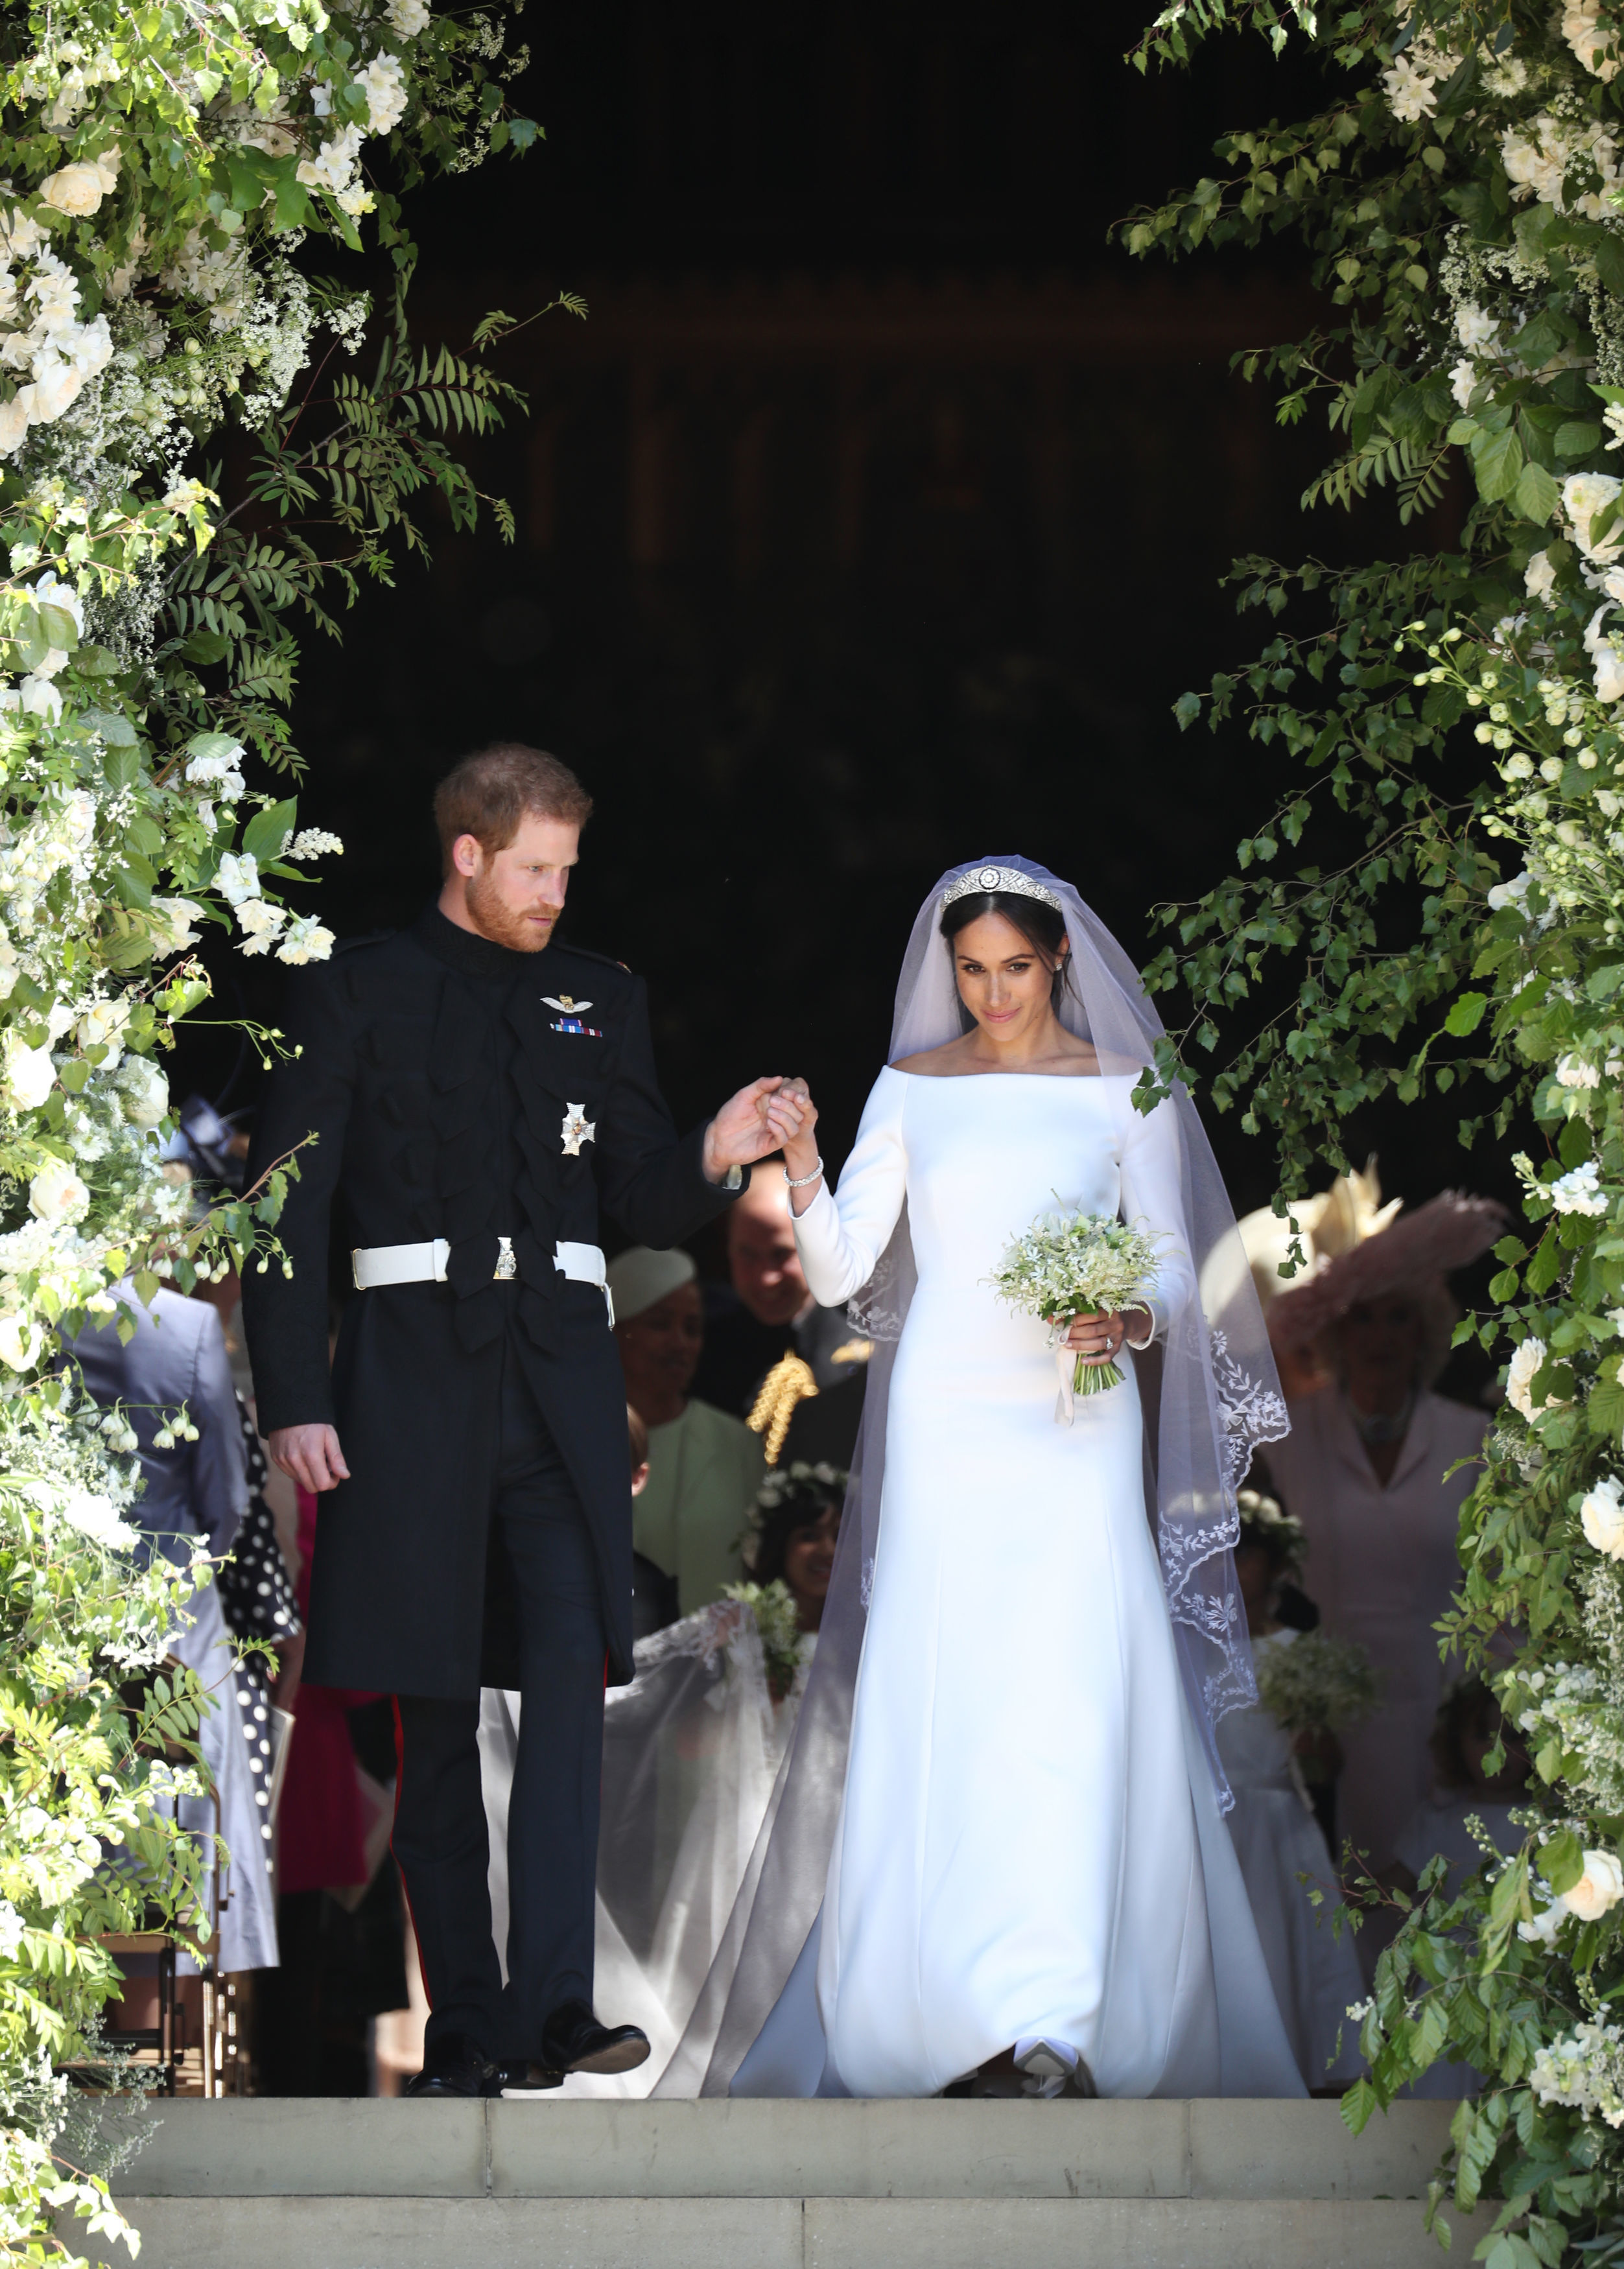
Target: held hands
769	1115
309	1455
1100	1339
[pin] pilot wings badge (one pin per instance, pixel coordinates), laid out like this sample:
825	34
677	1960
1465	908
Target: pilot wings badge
571	1012
578	1128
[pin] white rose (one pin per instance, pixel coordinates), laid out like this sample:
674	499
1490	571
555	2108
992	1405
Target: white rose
1601	1516
1547	1922
408	17
1583	496
40	698
238	878
1525	1366
1599	1889
13	424
75	190
102	1026
56	1195
1573	1071
1540	576
1510	894
96	1516
1473	329
30	1074
172	922
143	1091
56	386
22	1341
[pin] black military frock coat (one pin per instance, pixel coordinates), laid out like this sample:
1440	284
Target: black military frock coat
437	1078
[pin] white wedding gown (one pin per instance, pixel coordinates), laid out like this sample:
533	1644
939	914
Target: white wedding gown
1029	1842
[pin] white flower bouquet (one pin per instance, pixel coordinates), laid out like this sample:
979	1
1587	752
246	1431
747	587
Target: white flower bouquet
1078	1264
1316	1685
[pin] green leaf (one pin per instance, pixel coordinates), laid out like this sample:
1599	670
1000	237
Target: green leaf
1466	1013
116	730
61	631
1545	1267
1578	437
1498	465
1357	2106
265	833
206	646
1537	494
1561	1861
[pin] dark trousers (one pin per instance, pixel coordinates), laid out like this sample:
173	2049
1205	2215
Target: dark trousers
439	1839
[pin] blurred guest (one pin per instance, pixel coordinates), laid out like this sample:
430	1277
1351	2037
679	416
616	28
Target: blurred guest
796	1532
1469	1728
654	1592
767	1312
262	1613
703	1466
1312	1965
195	1490
1366	1466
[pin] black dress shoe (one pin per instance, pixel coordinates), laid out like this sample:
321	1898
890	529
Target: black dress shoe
521	2078
452	2066
573	2040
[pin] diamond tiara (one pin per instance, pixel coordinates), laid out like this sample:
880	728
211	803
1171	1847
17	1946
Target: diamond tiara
984	880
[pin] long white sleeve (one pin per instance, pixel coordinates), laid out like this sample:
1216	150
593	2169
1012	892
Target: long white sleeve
841	1238
1152	1178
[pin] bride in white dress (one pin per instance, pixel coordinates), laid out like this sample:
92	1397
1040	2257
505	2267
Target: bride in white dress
1011	1785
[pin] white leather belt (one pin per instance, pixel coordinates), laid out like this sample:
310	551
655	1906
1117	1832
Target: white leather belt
376	1265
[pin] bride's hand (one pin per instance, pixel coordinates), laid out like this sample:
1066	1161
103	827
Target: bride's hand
1100	1339
792	1116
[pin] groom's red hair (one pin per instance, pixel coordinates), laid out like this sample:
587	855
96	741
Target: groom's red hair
490	793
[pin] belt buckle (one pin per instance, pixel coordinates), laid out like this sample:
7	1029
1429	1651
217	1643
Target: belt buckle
506	1266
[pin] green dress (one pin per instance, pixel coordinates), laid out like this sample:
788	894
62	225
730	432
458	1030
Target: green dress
704	1471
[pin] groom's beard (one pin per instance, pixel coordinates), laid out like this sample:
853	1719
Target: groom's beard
497	921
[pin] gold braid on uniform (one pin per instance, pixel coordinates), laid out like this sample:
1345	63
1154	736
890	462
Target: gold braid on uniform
789	1381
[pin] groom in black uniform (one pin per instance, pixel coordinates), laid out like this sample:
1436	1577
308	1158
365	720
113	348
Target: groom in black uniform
474	1089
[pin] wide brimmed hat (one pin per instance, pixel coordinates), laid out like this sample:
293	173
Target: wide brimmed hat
1359	1249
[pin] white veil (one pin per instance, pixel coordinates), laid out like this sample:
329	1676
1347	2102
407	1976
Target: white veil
1211	1396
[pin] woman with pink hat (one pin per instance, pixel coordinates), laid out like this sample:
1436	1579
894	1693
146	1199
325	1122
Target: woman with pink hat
1373	1465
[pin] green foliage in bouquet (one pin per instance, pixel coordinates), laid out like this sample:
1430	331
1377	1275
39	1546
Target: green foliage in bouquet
1461	715
772	1610
1078	1264
176	178
1318	1684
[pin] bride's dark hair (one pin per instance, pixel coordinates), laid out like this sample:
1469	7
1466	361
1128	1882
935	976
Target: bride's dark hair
1043	926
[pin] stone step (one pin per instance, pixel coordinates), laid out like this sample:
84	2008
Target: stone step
317	2183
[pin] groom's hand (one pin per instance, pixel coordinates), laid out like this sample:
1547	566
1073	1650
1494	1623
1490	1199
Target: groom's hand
310	1455
753	1123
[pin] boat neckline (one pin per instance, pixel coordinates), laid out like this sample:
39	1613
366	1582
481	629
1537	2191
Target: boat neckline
944	1078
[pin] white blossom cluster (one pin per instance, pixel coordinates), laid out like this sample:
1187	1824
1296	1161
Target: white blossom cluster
1571	164
1412	82
297	938
1583	2069
46	350
1582	1710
